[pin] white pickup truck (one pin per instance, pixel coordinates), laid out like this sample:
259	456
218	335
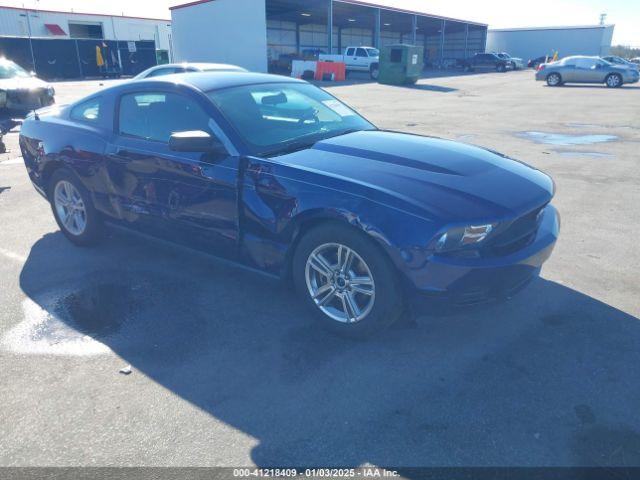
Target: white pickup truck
357	59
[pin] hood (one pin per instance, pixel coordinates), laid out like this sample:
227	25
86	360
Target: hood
444	179
19	83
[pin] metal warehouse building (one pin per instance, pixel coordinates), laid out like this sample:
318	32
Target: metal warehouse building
255	33
58	44
528	43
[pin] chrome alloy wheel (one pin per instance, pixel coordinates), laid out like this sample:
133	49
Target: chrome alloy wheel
613	80
340	283
553	79
70	207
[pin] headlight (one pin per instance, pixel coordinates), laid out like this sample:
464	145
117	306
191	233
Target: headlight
463	237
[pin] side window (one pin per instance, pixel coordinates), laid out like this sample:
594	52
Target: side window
156	116
350	52
88	111
583	63
361	52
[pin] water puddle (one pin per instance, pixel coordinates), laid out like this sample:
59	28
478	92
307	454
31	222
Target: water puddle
567	139
76	323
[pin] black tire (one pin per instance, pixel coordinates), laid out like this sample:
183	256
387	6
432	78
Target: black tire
613	80
374	71
554	80
387	304
501	68
94	229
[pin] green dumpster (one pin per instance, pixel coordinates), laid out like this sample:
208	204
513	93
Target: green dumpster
401	64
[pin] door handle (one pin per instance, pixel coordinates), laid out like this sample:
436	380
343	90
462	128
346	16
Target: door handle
121	156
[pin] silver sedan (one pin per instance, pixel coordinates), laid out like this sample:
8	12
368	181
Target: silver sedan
585	70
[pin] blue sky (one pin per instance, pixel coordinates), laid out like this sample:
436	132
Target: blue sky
497	13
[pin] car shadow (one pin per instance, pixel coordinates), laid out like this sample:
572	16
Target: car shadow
549	378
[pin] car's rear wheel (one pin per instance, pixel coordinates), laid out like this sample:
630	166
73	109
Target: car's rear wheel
346	281
501	68
554	79
613	80
73	209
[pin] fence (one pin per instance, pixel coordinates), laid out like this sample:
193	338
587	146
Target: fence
72	58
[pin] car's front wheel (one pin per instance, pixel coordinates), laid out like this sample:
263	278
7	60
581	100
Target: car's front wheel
73	209
346	281
554	80
613	80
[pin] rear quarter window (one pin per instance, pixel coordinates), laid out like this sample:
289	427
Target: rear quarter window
88	111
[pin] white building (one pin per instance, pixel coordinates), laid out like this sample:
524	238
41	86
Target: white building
59	45
261	35
21	22
529	43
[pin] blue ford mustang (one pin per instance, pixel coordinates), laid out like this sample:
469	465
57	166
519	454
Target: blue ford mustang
279	176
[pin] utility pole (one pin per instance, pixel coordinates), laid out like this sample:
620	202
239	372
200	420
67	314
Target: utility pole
603	18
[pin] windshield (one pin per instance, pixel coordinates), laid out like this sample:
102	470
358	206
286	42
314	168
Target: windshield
9	69
279	117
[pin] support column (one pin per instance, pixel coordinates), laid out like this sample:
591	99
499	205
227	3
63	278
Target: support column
330	27
466	41
414	30
297	38
376	29
443	28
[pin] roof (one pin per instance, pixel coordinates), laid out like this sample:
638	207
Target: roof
372	3
567	27
207	81
67	12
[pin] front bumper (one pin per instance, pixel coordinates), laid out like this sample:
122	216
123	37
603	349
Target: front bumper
480	280
26	99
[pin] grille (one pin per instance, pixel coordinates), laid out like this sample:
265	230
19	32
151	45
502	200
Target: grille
517	235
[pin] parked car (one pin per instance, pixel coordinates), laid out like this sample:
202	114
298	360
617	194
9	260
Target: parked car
358	59
622	62
277	175
21	90
579	69
487	61
536	62
635	60
171	68
516	63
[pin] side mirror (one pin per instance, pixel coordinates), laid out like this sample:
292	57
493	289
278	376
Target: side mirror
195	141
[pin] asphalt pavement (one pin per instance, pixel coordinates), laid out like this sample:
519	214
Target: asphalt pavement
227	369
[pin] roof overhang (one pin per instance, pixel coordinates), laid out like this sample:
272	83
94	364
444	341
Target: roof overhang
361	3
